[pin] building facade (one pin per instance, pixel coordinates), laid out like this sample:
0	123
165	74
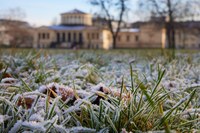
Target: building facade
81	30
75	31
188	35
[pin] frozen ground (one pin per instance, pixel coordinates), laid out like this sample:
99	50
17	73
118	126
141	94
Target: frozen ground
88	91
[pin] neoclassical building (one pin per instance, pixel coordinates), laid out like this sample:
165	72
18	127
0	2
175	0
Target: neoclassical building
75	30
80	30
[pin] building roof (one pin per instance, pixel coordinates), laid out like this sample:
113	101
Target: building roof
188	24
74	11
129	30
178	24
61	27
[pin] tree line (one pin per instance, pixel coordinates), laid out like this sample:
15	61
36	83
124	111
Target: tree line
171	10
14	30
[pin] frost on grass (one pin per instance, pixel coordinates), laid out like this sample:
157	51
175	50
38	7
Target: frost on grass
3	118
95	92
34	126
36	117
16	127
81	130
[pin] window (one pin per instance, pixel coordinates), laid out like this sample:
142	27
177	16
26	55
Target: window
63	37
39	36
97	36
80	38
88	35
74	36
69	37
136	38
58	37
43	36
128	38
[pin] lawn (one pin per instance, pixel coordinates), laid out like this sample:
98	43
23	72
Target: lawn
99	91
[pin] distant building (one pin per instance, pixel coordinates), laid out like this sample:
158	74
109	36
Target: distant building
15	33
188	34
81	30
153	34
75	31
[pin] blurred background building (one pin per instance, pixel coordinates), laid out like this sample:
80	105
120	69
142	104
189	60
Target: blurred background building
15	33
81	30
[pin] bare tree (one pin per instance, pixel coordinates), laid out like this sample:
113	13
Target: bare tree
20	35
17	30
113	11
172	10
13	14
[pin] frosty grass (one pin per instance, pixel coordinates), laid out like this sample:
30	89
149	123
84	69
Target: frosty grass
86	91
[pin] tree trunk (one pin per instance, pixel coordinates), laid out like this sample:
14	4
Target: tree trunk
168	30
170	35
114	41
173	38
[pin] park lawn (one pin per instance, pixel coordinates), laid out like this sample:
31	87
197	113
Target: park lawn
136	90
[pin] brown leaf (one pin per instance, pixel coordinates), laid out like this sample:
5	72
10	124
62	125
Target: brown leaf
25	102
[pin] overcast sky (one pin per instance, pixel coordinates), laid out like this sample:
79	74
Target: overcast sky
43	12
